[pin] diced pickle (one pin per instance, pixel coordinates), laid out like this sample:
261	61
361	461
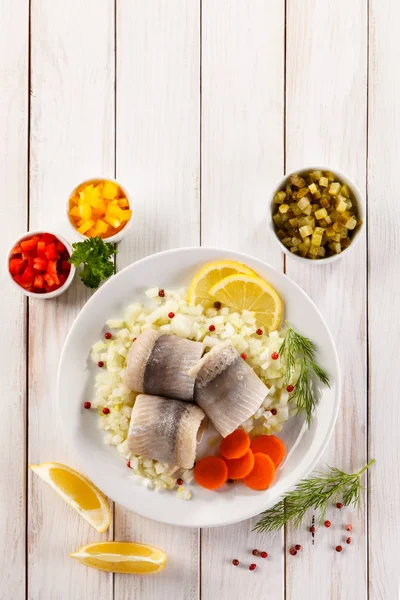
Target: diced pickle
315	214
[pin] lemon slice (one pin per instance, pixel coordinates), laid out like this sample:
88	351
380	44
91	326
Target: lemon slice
122	557
78	492
210	275
242	291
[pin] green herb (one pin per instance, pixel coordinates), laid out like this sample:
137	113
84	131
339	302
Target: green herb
315	492
96	257
296	346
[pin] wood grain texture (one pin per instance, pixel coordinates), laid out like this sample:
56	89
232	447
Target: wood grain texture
158	160
326	125
242	155
72	138
384	303
14	61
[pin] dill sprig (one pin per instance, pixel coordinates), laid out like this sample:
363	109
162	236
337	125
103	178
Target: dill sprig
297	347
315	492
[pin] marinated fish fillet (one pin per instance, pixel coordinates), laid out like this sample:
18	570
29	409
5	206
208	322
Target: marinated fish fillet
158	364
166	430
227	388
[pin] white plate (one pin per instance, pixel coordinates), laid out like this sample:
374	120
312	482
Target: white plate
103	464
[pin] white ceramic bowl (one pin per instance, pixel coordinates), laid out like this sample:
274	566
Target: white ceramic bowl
357	233
48	295
103	464
121	234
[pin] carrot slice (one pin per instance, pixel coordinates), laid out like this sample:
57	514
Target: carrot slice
262	474
235	445
239	468
210	472
270	445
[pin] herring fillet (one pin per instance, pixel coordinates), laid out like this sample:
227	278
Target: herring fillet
227	388
158	365
166	430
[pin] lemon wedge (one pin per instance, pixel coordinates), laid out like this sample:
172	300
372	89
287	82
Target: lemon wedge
248	292
122	557
210	275
77	491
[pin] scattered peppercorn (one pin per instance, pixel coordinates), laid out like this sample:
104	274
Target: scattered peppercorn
252	567
108	335
255	552
134	339
327	523
217	305
338	548
161	293
298	547
264	554
171	315
349	527
348	541
211	328
179	481
128	464
235	562
259	332
100	364
290	388
339	505
273	411
244	356
87	404
106	411
274	356
312	529
293	551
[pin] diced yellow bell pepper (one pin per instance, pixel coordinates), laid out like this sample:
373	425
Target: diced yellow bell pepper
86	226
110	190
92	232
100	226
85	211
80	222
123	203
74	199
114	222
75	212
113	210
126	215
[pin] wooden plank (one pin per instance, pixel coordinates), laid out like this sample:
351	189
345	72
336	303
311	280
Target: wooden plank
242	156
326	125
158	160
14	61
383	297
72	138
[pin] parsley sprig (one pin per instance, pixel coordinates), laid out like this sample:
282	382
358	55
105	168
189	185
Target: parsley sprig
297	347
97	259
315	492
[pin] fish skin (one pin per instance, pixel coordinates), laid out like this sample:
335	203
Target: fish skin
166	430
227	388
158	364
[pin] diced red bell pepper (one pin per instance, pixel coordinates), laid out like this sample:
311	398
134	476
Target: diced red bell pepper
47	287
41	247
16	266
40	264
65	266
28	276
48	238
28	245
52	267
31	261
16	250
62	279
51	252
55	279
60	247
48	279
38	282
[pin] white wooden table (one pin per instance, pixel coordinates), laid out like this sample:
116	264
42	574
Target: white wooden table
198	107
